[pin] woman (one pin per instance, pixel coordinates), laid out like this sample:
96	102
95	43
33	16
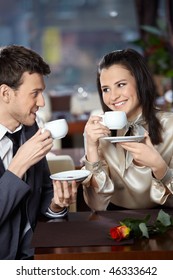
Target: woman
131	175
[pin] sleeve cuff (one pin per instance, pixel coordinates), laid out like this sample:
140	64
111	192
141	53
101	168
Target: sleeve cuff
167	177
50	214
92	166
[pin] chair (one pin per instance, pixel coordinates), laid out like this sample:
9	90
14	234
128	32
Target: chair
59	163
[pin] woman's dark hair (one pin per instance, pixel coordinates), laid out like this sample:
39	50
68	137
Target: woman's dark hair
15	60
146	90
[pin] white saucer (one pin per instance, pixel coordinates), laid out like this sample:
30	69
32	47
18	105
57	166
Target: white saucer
124	138
77	175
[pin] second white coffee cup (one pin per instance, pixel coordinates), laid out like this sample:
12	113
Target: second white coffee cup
114	119
58	128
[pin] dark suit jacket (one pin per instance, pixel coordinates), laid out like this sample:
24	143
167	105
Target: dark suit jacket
35	194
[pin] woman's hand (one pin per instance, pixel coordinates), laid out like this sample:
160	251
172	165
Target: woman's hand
93	131
145	154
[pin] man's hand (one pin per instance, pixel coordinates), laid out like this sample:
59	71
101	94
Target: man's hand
31	152
64	194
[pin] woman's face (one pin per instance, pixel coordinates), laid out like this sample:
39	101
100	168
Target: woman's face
119	91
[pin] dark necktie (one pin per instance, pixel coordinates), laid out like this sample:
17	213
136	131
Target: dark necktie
15	138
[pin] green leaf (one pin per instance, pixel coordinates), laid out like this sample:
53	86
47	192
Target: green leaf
144	230
133	224
169	73
164	218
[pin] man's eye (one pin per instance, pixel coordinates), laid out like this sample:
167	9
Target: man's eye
35	93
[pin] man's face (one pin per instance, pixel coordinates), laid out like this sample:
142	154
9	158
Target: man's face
25	102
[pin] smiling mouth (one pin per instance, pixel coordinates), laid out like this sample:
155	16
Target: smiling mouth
119	103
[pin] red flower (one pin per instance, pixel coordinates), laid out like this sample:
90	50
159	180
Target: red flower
120	232
138	228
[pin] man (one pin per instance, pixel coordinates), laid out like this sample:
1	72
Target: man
25	187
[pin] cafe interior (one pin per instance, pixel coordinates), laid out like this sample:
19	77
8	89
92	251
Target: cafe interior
72	36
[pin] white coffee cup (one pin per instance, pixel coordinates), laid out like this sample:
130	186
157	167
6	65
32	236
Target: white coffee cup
114	119
58	128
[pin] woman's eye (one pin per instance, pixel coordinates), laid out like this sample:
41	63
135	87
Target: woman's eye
105	90
121	84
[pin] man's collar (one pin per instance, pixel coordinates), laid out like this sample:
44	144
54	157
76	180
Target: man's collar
4	129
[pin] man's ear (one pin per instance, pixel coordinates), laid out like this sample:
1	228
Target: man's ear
5	93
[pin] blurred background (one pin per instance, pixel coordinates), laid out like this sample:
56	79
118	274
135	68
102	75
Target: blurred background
73	35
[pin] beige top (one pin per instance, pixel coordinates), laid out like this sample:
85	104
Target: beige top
123	183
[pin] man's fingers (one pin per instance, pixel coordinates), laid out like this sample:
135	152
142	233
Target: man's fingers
64	192
58	192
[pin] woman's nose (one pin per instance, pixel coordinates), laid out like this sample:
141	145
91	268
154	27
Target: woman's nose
114	94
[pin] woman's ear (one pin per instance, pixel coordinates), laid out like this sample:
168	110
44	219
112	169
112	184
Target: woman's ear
5	93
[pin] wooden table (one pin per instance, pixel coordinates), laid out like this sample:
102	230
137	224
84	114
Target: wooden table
159	247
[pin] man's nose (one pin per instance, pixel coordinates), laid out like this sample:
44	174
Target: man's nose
40	101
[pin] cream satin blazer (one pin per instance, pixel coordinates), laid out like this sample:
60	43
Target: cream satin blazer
123	183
